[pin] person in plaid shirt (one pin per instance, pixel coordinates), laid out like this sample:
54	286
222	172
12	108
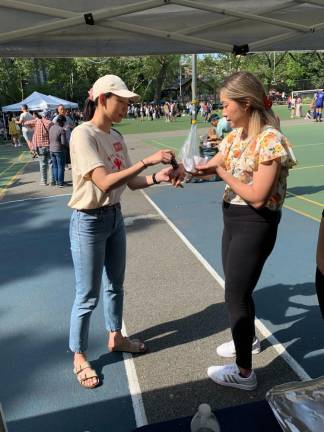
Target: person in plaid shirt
40	142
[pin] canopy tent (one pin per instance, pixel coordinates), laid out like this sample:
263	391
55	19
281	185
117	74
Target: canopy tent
48	28
38	101
65	103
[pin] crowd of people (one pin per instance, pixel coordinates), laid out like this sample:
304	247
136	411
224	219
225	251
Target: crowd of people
47	135
170	110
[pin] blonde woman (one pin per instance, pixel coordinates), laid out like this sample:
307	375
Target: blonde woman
253	161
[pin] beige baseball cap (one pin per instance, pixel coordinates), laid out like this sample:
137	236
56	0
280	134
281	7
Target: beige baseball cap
112	84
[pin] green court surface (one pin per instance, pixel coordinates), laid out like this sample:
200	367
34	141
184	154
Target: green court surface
135	126
306	181
12	161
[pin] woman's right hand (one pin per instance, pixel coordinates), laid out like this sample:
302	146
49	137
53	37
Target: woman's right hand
162	156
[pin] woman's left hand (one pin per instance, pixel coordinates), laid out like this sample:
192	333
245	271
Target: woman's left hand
205	169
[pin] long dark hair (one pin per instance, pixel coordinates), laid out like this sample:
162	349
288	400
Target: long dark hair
90	107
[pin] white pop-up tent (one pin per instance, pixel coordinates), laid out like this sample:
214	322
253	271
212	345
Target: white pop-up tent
48	28
38	101
65	103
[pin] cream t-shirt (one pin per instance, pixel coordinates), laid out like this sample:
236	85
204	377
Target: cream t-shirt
90	147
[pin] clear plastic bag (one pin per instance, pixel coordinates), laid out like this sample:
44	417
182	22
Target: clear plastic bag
190	153
299	406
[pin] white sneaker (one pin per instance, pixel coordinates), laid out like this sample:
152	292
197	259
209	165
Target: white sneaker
227	349
229	375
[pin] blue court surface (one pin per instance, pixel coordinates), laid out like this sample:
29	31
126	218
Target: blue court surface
38	390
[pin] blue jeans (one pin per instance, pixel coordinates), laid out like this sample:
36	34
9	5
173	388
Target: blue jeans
58	163
98	245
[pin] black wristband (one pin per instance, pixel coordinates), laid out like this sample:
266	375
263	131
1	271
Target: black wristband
154	179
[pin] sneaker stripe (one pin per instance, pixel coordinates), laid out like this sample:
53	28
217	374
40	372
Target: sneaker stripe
230	379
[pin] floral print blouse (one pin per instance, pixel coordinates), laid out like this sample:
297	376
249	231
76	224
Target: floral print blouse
242	158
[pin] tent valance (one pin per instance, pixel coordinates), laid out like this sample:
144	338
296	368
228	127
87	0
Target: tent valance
48	28
38	101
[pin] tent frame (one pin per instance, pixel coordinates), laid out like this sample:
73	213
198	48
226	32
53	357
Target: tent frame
67	19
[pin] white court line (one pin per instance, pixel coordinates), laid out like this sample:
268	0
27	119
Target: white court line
281	350
308	145
33	199
134	387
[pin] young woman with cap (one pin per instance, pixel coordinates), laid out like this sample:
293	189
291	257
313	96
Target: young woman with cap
101	170
253	160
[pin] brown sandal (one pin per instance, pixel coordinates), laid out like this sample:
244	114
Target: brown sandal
83	376
134	346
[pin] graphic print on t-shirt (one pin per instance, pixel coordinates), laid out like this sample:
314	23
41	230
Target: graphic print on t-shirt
118	146
117	159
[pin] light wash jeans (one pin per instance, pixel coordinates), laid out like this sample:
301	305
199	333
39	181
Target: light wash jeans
98	245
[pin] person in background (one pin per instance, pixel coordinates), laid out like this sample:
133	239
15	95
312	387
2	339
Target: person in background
69	126
40	143
319	102
253	160
293	107
212	136
27	131
101	170
58	144
219	127
319	278
14	130
299	107
223	127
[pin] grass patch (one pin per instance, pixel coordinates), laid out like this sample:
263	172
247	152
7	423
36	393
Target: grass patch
135	126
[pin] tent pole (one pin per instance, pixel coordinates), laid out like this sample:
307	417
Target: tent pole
194	89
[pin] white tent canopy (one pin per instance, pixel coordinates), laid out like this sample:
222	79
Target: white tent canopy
48	28
65	103
38	101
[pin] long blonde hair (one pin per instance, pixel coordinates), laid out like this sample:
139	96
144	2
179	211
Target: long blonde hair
245	88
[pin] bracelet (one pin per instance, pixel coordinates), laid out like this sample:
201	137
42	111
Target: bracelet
144	164
154	179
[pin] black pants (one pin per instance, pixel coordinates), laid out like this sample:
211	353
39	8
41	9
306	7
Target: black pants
248	239
319	283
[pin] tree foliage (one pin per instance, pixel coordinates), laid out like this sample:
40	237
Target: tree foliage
148	75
